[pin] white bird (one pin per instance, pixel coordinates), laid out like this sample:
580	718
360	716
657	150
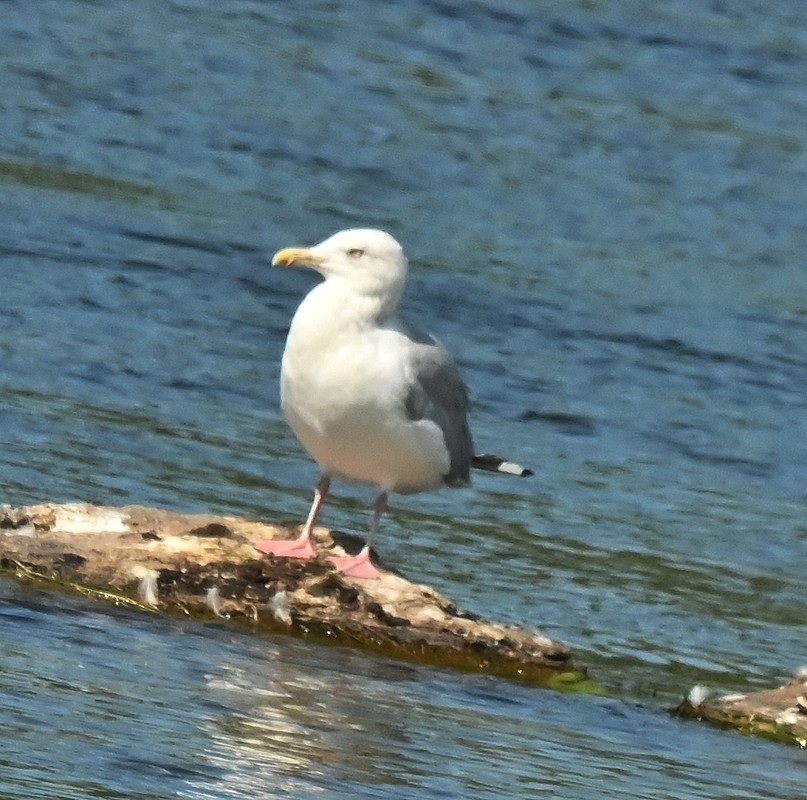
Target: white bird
369	397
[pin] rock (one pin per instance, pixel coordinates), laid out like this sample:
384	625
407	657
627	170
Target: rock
206	566
779	713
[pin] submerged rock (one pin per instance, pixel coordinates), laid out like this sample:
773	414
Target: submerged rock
779	713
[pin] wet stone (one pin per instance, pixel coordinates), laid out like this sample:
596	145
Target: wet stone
207	567
777	713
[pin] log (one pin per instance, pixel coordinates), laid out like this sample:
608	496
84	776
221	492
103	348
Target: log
779	713
205	566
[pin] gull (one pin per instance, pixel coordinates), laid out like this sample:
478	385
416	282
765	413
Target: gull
372	399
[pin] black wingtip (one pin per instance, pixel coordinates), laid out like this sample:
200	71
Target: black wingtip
493	463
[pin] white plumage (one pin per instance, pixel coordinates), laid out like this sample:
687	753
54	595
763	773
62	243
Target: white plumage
370	398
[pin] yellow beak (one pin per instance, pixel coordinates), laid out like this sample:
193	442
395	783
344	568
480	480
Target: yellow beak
295	257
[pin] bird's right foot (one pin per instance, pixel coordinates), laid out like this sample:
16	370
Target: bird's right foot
358	566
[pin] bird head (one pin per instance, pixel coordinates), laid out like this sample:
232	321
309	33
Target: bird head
369	261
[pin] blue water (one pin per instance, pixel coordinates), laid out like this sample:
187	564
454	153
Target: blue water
602	207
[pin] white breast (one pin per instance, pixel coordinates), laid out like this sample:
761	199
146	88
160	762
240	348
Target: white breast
343	389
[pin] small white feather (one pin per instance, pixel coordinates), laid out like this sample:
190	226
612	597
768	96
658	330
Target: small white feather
698	695
213	598
147	589
280	607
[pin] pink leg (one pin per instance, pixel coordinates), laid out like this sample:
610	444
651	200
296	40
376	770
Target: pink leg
301	547
360	566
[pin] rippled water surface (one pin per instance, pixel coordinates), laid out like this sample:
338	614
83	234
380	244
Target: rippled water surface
603	207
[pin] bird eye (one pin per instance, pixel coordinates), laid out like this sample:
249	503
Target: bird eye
355	252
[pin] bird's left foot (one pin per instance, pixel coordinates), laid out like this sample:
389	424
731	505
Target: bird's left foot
358	566
287	548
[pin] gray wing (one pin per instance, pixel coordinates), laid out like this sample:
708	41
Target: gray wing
438	393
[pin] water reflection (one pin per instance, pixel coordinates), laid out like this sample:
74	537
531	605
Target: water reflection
359	727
